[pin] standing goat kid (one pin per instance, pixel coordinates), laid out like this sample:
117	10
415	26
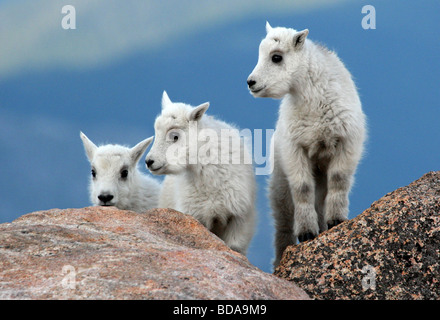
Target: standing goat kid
205	178
319	135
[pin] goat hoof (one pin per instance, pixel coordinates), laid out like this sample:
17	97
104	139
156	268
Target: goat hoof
333	223
306	236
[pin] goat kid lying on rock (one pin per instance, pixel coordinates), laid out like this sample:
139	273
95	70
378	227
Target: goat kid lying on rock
116	179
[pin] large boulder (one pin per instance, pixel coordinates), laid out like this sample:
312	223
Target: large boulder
106	253
390	251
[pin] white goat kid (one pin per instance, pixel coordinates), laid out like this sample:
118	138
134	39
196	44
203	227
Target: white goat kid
116	179
220	194
319	135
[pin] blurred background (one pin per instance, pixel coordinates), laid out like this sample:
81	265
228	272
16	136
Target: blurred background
106	78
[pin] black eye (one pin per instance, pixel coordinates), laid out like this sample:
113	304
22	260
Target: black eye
276	58
173	136
124	173
93	173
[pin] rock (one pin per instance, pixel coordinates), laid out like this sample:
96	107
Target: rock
390	251
106	253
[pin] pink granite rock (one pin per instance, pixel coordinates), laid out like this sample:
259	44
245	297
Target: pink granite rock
106	253
390	251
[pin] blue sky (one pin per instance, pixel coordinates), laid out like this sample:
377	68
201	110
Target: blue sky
106	78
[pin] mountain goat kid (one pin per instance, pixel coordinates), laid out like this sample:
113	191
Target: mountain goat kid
319	135
202	180
116	179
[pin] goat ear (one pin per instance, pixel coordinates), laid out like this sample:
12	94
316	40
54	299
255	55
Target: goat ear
138	150
197	113
166	101
268	27
89	146
299	38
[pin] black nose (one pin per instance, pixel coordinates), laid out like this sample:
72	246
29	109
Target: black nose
149	162
251	83
105	198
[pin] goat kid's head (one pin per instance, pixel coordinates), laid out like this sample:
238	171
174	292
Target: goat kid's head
175	129
113	172
279	62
